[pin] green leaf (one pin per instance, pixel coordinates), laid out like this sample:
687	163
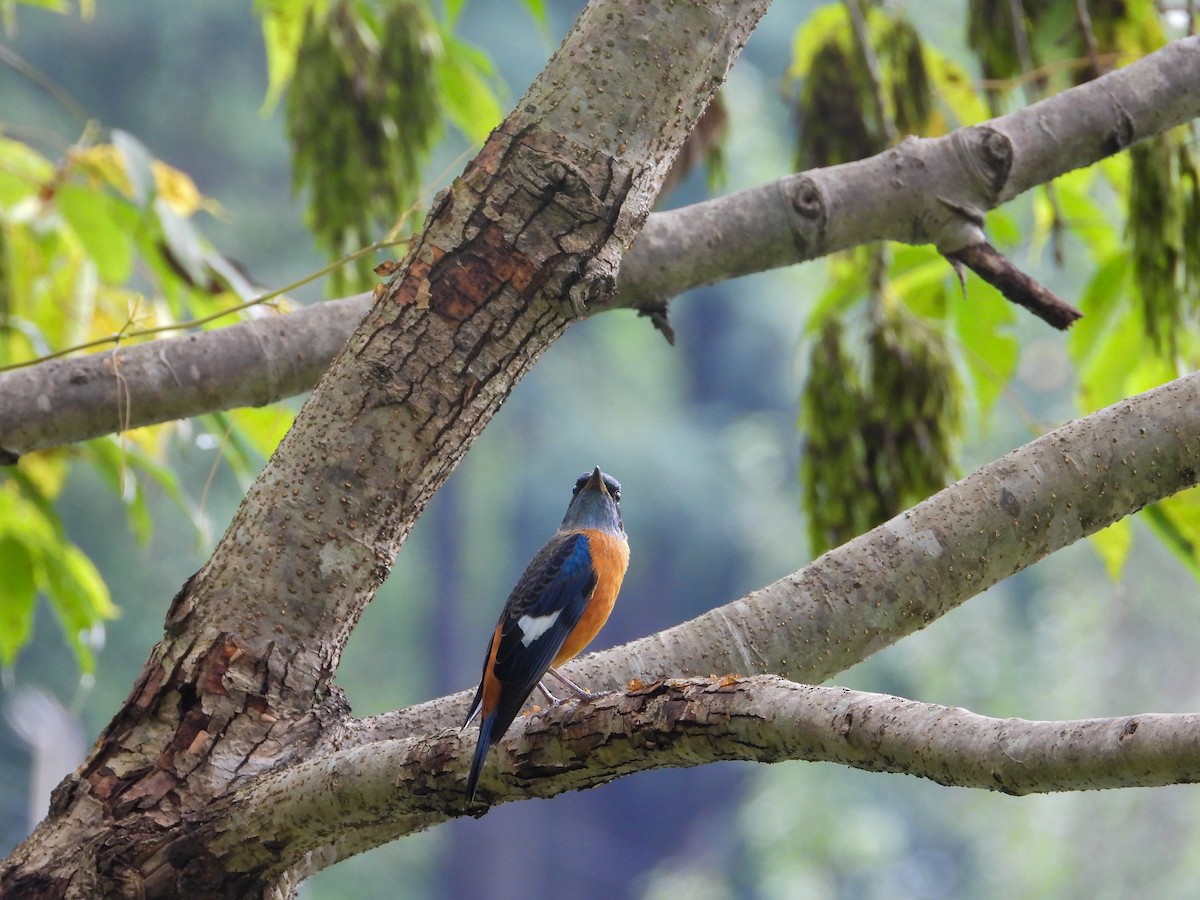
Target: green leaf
983	321
1104	374
18	597
79	598
958	102
918	276
238	450
454	8
827	24
1003	229
283	30
114	464
537	9
847	285
262	427
1176	521
22	171
1112	545
1100	302
469	101
95	218
29	516
1083	216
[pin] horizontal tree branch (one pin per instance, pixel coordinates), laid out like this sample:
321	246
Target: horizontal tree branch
253	363
570	746
922	191
899	577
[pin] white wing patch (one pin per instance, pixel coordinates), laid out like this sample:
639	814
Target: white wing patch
533	627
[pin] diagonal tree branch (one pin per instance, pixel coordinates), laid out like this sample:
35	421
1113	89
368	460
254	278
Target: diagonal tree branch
900	577
947	185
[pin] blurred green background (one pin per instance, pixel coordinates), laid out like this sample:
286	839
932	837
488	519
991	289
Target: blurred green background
703	437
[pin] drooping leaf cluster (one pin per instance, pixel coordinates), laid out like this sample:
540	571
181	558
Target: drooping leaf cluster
895	388
362	116
843	113
1142	304
881	422
1164	235
369	86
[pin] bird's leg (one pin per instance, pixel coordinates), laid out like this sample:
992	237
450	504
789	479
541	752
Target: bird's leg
573	687
550	698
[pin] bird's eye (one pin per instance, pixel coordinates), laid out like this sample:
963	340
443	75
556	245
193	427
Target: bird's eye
614	488
579	483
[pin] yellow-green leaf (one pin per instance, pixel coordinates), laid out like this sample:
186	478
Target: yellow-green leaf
283	29
18	597
1112	546
984	322
470	102
1176	520
80	600
93	217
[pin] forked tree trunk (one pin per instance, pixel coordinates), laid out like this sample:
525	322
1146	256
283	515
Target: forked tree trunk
517	248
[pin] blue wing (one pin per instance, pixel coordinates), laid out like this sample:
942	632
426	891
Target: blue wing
544	607
542	610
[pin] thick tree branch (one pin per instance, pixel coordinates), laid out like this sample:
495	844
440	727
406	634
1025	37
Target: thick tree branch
901	576
921	191
523	243
677	723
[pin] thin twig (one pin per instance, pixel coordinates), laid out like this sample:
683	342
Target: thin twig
125	335
1084	18
1001	273
1108	60
18	64
862	37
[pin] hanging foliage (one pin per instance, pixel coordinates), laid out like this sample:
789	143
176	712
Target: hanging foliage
362	116
876	443
1164	215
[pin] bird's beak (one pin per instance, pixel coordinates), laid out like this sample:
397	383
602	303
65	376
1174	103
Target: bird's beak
596	482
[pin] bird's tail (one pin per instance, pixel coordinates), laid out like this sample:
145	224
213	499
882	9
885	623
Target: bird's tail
481	750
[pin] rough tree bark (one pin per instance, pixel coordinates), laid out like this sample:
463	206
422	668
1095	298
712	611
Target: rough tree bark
948	185
522	244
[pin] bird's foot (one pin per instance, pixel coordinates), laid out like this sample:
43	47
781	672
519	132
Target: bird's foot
575	689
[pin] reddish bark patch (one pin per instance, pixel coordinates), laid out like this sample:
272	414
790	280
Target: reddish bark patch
145	793
211	678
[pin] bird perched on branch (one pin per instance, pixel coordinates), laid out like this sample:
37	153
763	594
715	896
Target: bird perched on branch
559	604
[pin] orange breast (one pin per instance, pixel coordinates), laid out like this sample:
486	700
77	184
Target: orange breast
610	559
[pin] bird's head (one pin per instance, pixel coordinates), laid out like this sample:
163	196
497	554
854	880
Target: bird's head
595	503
